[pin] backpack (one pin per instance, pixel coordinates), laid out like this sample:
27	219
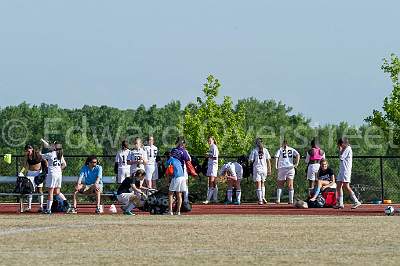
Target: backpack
330	198
58	205
318	203
23	186
170	170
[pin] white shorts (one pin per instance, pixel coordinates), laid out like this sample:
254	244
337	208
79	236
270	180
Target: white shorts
286	173
312	171
123	173
151	172
178	184
125	198
343	178
185	173
259	176
212	170
31	176
53	181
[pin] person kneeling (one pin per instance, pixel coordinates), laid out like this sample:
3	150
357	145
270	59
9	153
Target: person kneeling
129	192
325	179
177	185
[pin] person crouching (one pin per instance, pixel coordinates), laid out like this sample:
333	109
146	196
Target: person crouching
129	192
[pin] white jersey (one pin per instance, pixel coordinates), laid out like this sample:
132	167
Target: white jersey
136	155
213	154
259	159
346	163
122	158
285	157
152	152
54	164
235	168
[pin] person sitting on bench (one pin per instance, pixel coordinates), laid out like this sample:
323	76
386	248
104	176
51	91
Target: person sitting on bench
325	179
90	182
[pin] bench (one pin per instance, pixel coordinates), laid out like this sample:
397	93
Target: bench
66	179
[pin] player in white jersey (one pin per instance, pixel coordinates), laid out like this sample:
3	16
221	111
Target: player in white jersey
233	172
56	163
344	177
212	171
151	166
286	160
137	157
261	160
122	168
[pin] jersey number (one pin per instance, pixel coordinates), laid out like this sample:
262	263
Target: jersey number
287	154
56	162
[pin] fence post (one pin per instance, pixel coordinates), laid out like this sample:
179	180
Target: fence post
382	188
16	165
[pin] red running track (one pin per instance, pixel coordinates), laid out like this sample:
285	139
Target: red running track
249	209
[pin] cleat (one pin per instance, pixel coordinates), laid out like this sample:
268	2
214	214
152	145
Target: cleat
178	213
206	202
129	213
265	201
98	210
228	202
260	203
72	211
27	209
236	203
338	207
356	205
41	210
46	212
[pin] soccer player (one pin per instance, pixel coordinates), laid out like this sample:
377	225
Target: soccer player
177	185
313	160
180	153
56	164
212	171
121	162
233	172
325	179
137	157
344	176
130	192
261	160
90	182
151	166
286	160
34	165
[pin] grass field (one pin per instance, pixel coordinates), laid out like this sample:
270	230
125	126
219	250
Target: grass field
198	240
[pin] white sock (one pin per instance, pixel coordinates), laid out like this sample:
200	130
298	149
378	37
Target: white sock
186	196
263	192
130	207
49	203
238	195
30	201
210	193
291	195
341	200
215	194
353	197
278	195
229	195
259	194
41	198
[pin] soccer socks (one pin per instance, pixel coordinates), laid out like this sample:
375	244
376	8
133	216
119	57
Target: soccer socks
215	194
291	195
49	203
229	195
259	194
353	197
41	198
30	201
278	195
263	192
210	193
238	196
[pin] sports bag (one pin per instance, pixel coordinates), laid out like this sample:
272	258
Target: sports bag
23	185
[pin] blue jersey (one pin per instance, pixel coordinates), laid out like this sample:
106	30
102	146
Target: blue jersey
90	176
178	169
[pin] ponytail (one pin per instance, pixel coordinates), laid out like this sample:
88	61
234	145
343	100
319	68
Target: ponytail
260	146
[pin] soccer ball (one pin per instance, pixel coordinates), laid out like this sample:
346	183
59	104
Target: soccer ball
389	211
152	200
164	202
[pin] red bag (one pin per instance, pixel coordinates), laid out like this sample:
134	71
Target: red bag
330	198
190	169
170	170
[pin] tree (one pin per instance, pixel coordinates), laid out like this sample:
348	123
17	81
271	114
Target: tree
208	118
389	119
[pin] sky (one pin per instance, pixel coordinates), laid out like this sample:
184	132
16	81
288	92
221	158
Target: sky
320	57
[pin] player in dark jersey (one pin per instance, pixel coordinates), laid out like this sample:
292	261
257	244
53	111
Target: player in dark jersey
325	179
130	191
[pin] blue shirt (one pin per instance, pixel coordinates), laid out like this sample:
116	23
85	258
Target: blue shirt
90	176
178	170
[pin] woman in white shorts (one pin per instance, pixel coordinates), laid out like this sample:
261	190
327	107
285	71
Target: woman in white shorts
261	160
344	177
233	172
285	164
313	161
151	166
121	163
177	185
56	163
212	170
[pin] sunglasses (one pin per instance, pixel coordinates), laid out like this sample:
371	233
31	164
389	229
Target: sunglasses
94	162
